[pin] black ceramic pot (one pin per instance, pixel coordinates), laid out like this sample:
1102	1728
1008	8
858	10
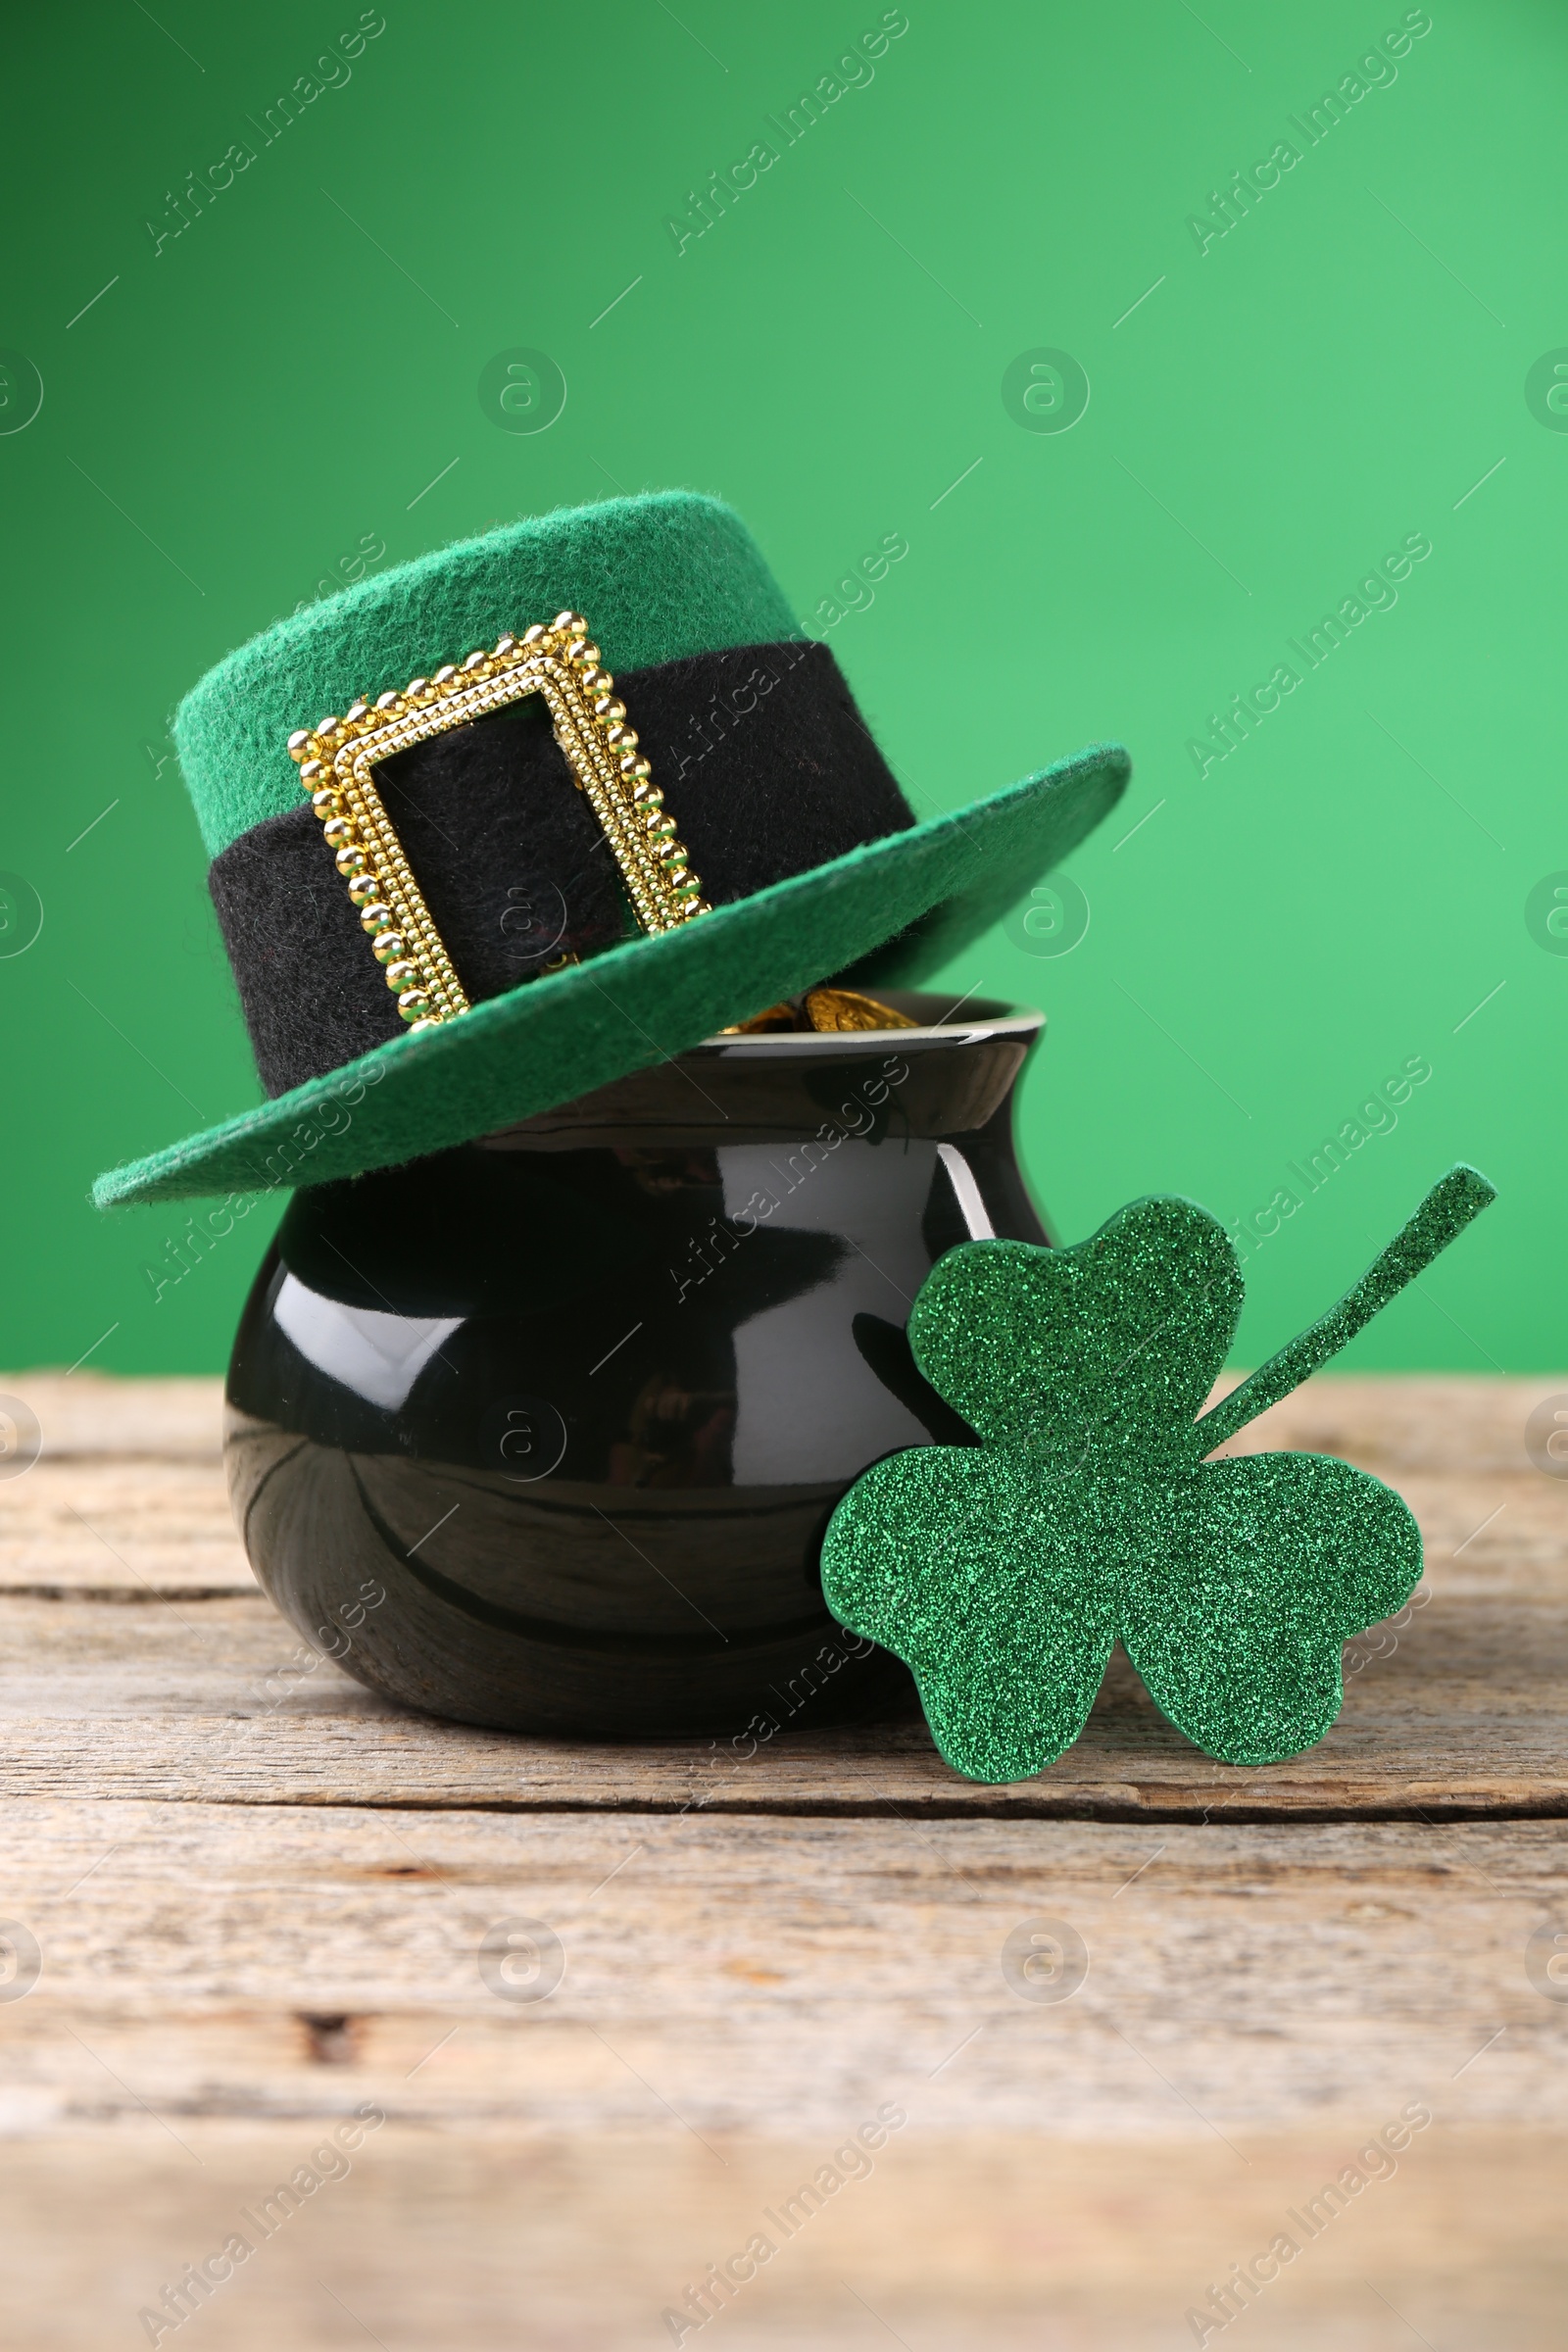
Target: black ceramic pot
543	1433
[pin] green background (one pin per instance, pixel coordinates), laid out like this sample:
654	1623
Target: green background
279	386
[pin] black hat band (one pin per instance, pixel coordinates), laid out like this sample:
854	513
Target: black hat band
763	761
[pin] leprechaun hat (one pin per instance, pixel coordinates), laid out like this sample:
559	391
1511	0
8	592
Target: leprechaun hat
644	810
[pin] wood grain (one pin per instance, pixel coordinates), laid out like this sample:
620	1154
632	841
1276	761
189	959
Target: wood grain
122	1527
201	1691
756	1974
1466	1718
1434	1420
225	1987
258	1896
954	2242
85	1413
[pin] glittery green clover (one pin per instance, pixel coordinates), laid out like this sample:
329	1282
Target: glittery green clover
1003	1574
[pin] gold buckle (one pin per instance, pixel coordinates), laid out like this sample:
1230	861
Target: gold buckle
560	662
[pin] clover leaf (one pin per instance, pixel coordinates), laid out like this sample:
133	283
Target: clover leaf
1003	1574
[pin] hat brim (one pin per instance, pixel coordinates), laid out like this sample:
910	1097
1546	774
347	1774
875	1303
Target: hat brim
559	1037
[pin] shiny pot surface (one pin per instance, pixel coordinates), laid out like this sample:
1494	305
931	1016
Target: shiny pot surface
543	1433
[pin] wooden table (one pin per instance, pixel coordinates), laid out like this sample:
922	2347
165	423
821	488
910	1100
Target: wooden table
258	1900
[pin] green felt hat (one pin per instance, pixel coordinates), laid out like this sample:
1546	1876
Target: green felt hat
475	942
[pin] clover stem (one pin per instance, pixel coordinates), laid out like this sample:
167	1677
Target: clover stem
1441	1216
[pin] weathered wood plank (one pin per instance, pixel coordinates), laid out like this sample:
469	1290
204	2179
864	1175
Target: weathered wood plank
1463	1709
218	1991
123	1526
1392	1424
203	1692
172	1418
133	1467
721	1976
136	1525
580	2243
221	1981
1408	1421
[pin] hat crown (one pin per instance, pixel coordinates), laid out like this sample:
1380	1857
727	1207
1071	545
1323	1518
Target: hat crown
658	576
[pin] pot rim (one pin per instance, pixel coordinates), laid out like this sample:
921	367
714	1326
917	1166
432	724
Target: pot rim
991	1017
